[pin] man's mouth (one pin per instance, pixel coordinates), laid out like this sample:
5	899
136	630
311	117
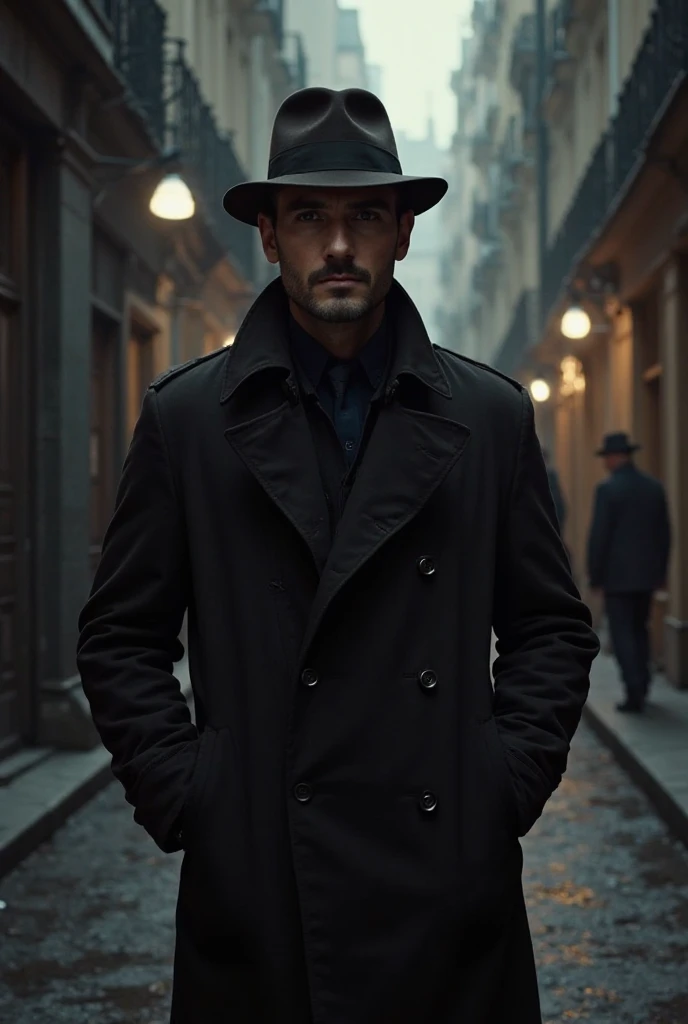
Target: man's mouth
340	279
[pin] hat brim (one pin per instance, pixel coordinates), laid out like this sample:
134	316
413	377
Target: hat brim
245	201
615	451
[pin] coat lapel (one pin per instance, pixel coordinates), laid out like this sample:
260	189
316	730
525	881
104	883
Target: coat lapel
277	448
409	455
268	428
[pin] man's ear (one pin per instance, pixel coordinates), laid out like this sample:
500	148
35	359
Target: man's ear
406	222
266	227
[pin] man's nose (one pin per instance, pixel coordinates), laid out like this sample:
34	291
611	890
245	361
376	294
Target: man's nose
339	245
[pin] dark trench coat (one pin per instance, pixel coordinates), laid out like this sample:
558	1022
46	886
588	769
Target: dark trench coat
351	805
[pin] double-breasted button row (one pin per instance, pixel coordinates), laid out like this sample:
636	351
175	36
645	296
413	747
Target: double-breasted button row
303	792
426	566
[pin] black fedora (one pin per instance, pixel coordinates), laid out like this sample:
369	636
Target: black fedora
331	139
617	444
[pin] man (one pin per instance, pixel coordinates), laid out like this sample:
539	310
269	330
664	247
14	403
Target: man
555	489
346	511
628	554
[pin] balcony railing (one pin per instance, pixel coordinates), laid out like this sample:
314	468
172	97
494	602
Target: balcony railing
520	335
661	63
487	22
522	66
209	160
662	59
139	33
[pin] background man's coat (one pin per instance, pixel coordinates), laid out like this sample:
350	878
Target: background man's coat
350	812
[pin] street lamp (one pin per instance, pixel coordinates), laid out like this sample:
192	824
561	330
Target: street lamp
172	199
575	323
539	390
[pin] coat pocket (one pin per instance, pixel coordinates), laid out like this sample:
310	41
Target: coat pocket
500	771
193	804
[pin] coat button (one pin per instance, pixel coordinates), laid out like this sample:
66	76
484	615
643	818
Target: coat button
428	801
426	566
427	679
303	792
309	677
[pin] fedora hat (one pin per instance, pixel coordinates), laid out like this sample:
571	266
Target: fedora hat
617	444
323	138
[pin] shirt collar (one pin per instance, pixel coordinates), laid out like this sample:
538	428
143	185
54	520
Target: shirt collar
314	359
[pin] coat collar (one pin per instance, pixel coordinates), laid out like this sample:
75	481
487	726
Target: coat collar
262	343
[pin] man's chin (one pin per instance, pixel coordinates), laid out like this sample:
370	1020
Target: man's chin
339	311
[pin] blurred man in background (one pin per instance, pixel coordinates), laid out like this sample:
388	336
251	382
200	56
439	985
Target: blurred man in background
628	554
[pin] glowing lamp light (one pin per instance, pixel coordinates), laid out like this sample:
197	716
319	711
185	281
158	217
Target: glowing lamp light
172	199
575	323
540	390
229	340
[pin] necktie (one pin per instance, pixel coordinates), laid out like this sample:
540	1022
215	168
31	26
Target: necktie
345	418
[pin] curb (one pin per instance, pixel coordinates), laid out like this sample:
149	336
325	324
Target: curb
669	810
41	825
37	803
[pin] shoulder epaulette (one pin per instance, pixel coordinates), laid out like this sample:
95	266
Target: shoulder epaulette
483	366
177	371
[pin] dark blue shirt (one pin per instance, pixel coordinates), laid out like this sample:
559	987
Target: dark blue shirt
366	380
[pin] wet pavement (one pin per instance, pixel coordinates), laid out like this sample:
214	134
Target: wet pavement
86	936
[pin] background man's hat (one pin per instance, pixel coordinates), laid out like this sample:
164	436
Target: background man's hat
617	444
329	139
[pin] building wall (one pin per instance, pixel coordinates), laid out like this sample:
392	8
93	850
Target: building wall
626	375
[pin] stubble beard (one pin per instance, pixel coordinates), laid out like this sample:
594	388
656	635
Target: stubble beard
340	308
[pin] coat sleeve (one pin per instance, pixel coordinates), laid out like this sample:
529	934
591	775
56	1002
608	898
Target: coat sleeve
545	641
129	633
599	536
557	497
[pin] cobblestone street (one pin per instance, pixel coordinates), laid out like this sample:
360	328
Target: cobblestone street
87	930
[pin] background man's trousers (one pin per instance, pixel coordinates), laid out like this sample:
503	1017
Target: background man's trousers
627	615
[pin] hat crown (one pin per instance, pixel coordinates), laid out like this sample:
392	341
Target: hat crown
319	115
617	443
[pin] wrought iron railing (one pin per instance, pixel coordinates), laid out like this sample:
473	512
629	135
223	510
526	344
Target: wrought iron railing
661	63
522	66
209	160
139	33
585	216
520	335
662	59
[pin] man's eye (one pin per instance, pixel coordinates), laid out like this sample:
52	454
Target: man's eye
308	215
368	215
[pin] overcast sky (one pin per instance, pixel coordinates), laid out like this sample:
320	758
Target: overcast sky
417	44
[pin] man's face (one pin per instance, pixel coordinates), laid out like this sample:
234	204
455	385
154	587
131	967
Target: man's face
336	247
612	462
